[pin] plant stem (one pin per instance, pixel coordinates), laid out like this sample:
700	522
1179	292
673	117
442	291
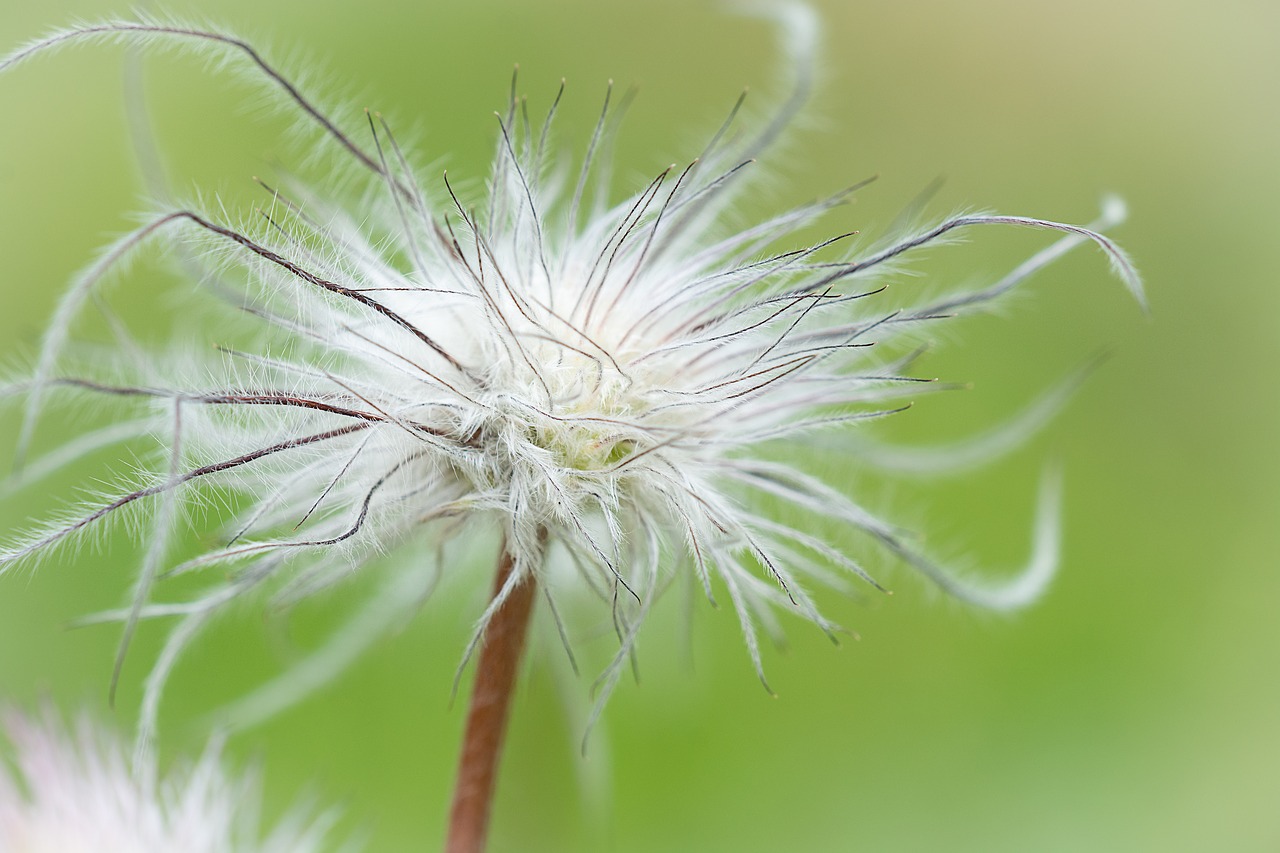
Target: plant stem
487	716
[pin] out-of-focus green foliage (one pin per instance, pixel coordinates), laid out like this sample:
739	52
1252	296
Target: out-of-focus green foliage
1135	709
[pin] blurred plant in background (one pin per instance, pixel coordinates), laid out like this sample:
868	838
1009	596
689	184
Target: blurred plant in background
75	791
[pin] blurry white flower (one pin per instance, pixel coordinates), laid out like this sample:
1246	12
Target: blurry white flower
76	792
611	387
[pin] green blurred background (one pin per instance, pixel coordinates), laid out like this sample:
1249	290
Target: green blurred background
1136	709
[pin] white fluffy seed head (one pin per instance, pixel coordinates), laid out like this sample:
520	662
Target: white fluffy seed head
601	384
75	791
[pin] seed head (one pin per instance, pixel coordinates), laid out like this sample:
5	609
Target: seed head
76	792
608	386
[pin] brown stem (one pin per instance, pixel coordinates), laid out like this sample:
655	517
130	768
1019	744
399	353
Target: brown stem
487	716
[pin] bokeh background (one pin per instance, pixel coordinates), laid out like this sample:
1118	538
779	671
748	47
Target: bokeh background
1137	708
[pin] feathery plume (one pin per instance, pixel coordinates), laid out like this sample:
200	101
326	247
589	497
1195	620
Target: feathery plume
608	386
